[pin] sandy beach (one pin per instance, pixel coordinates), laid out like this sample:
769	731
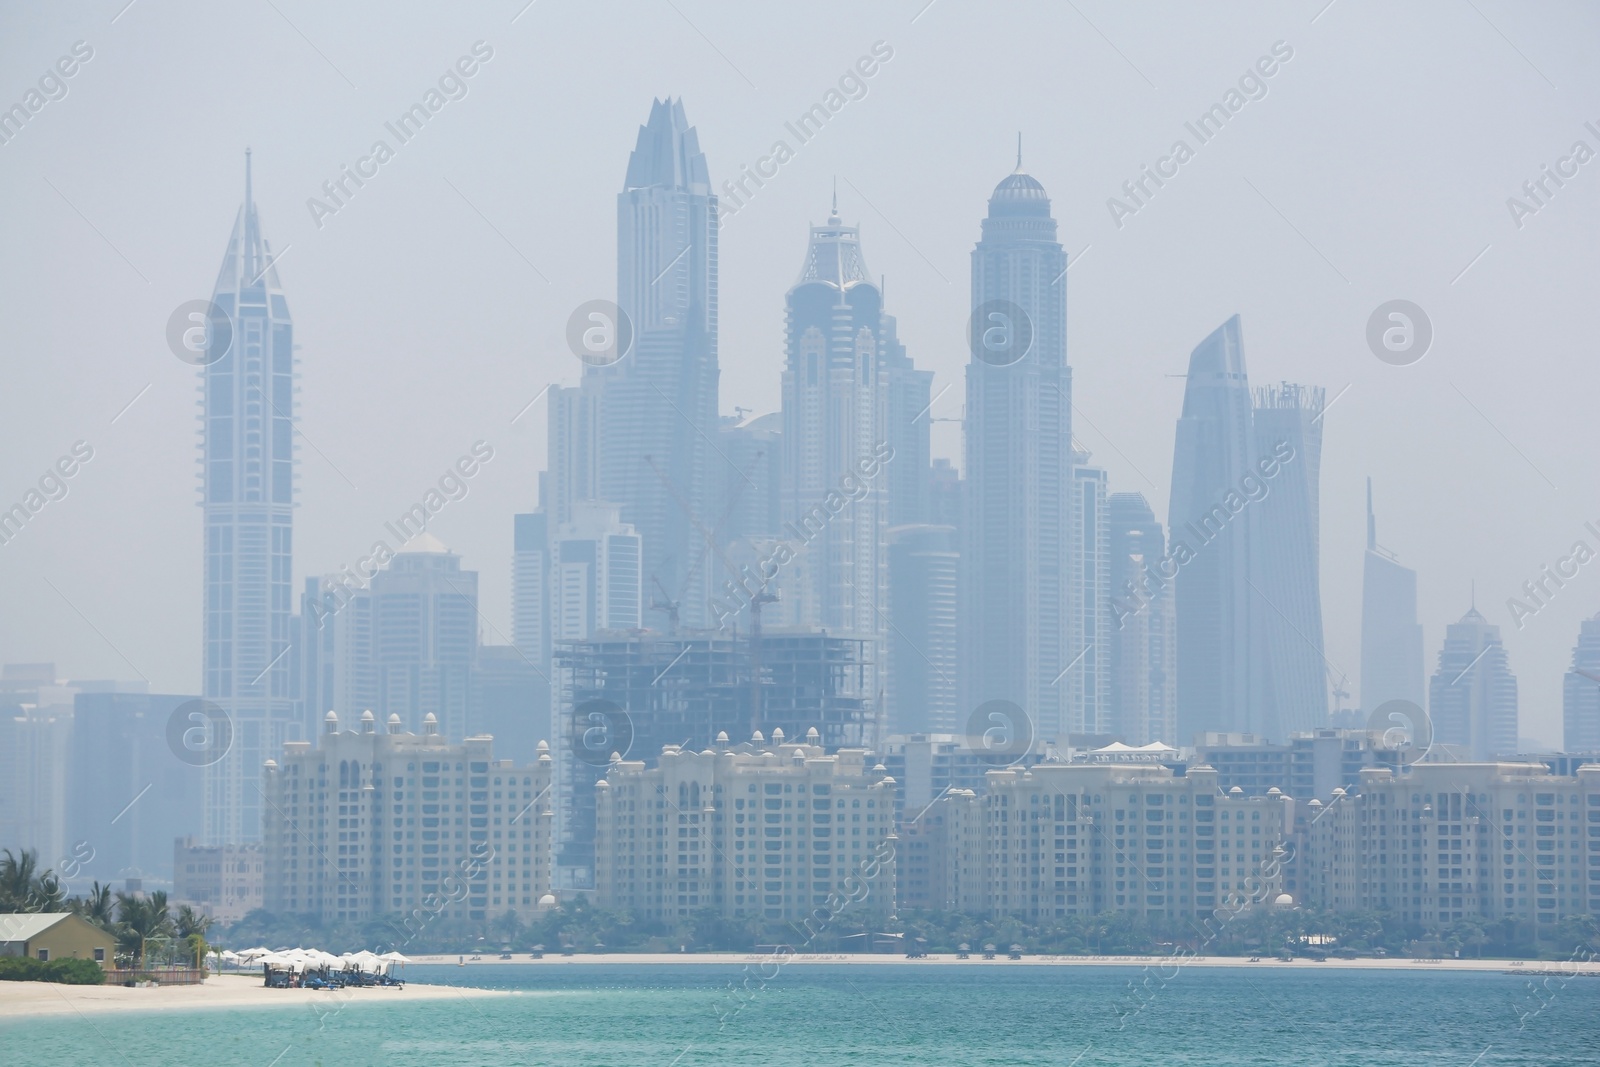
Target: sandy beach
39	999
1265	963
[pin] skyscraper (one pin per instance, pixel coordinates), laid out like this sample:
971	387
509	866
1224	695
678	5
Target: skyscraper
1143	650
425	636
1087	677
247	477
1014	559
1291	685
1214	449
1243	523
909	392
924	561
1472	698
1391	637
594	581
834	426
658	404
1580	696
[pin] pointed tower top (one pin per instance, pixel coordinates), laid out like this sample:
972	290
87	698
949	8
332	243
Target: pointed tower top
667	153
1019	153
834	217
249	263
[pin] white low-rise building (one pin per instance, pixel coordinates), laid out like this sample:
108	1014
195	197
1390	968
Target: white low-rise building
763	830
368	824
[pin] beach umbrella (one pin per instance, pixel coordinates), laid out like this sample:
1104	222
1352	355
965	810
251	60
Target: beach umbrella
394	957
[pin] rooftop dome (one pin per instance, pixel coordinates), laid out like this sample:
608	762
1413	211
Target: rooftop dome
1019	194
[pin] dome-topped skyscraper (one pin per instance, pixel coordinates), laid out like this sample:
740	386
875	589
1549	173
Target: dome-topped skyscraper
1015	616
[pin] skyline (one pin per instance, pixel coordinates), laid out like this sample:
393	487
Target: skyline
338	521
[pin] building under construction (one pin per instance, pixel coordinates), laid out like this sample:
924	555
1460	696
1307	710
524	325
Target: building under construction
630	692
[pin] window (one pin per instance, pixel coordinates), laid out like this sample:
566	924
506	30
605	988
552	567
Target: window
44	954
99	955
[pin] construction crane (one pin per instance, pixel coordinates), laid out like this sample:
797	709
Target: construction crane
666	604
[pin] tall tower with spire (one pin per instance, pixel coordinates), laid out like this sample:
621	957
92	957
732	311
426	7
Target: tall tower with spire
247	476
1015	617
658	404
834	493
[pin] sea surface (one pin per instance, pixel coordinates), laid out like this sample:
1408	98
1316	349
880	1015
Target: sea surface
681	1015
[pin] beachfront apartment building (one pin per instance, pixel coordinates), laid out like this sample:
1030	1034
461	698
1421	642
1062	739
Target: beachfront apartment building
1439	842
759	830
367	824
1064	839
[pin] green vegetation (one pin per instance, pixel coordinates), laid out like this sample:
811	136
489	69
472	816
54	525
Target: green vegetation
66	972
581	927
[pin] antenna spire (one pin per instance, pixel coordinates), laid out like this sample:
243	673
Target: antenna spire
836	196
1019	151
1372	523
247	176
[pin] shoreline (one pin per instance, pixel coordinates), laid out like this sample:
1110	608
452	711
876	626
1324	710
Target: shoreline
37	1000
640	959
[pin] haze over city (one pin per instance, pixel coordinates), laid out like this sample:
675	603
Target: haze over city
1390	153
529	497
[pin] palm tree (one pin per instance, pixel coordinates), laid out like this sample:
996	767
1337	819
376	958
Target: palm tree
193	926
23	887
142	920
96	906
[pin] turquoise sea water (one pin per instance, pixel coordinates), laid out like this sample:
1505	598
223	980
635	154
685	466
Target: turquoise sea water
805	1014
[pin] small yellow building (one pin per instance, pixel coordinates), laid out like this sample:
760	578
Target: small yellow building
55	936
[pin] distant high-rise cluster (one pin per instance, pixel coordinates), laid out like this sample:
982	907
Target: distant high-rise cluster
688	575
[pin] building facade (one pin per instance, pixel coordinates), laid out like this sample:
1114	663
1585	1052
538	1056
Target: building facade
834	495
657	404
1290	689
1580	692
1214	450
924	569
1391	636
1087	677
225	882
1058	840
1142	637
1015	616
632	692
1442	842
249	406
425	636
1472	697
129	795
367	824
773	831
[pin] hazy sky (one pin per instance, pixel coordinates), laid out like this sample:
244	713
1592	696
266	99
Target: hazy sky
432	307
